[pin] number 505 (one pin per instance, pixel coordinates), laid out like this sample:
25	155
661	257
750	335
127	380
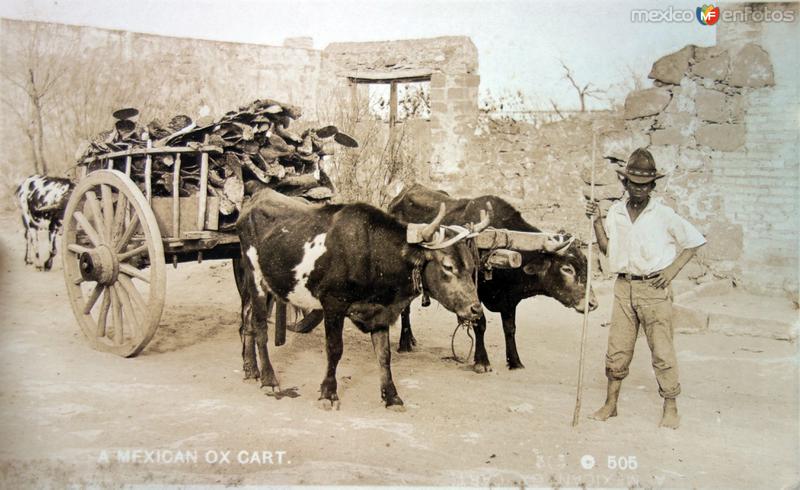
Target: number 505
622	462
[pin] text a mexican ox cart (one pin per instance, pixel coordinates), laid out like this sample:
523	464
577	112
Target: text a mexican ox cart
126	220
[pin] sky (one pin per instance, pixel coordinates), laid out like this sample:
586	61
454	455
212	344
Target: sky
520	43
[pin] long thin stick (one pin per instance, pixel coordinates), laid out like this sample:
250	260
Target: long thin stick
577	412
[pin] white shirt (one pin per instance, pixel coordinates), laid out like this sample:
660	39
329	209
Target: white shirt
649	244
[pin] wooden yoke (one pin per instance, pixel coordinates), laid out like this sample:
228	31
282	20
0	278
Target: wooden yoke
525	241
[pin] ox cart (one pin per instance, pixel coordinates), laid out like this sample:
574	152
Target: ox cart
118	238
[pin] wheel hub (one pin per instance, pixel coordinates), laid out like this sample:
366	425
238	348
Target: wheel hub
99	264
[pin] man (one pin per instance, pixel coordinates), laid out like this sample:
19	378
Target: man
647	245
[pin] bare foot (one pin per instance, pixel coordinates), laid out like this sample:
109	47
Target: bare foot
670	419
605	412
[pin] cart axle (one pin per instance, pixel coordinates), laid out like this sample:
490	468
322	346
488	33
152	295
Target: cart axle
99	264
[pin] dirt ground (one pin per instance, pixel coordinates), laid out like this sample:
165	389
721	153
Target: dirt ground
69	414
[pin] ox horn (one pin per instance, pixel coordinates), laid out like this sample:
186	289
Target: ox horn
429	230
557	244
486	218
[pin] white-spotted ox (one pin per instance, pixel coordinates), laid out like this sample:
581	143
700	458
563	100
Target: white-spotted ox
348	260
559	274
42	200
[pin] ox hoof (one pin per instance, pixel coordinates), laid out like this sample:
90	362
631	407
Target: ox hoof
515	365
481	368
269	380
250	374
405	348
271	388
394	402
328	405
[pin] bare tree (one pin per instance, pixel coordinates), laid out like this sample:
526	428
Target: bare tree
414	101
556	109
583	91
35	66
383	160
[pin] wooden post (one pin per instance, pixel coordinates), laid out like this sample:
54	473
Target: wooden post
176	203
128	162
201	211
148	170
576	413
392	106
176	197
280	322
111	164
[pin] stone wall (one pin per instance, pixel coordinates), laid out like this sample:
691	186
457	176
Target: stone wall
539	169
451	63
722	122
101	70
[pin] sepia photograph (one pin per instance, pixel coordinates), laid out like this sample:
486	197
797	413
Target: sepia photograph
399	243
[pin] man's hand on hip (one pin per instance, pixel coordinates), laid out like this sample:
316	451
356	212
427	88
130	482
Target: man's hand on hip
664	277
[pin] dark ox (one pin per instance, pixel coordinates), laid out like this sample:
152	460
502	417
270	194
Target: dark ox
349	261
42	201
559	275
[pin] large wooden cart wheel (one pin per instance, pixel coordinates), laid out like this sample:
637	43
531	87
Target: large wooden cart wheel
113	263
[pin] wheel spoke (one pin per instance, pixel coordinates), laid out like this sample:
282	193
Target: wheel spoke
133	315
119	217
88	228
129	231
94	207
134	294
98	288
103	318
75	248
134	272
116	317
119	315
132	252
107	200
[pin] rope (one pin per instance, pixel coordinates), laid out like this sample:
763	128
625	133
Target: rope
473	246
416	279
467	326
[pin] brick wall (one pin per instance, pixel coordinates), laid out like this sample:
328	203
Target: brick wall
761	181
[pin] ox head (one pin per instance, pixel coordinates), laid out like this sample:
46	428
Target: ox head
42	240
41	231
450	264
560	272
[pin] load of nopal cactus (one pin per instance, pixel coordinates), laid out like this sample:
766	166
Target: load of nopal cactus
255	146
